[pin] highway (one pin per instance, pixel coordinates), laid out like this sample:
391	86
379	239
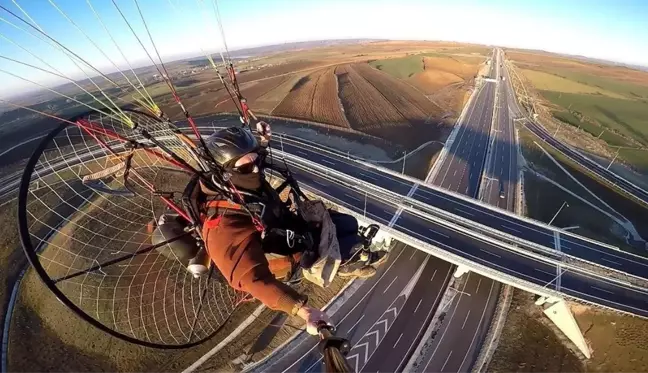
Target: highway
391	289
462	169
468	317
461	335
368	307
389	349
501	176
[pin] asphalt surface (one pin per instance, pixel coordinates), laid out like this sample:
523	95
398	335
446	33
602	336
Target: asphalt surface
409	279
461	334
462	168
501	176
464	327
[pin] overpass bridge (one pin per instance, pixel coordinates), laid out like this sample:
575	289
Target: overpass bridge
470	213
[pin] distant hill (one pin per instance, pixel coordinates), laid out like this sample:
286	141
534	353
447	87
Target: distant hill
577	57
285	47
39	96
267	49
604	62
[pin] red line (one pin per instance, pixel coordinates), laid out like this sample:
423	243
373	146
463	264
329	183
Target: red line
114	135
169	203
85	124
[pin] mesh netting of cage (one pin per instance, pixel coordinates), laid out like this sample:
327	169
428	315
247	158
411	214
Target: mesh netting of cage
90	197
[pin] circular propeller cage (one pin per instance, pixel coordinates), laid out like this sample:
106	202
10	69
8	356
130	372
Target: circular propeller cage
88	203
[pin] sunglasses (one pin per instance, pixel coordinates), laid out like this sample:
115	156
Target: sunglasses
247	164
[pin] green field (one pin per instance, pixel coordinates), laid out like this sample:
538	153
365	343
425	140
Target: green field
591	128
636	157
401	68
626	117
614	110
551	82
406	67
467	50
629	90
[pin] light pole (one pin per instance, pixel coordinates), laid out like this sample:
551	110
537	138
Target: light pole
613	159
600	134
404	157
558	212
365	206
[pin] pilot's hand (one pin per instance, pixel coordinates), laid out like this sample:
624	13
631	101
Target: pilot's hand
313	317
264	131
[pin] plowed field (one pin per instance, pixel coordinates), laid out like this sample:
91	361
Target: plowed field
364	106
412	104
440	72
252	92
267	102
384	106
314	97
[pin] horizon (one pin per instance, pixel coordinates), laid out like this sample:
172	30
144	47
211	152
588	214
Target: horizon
576	28
177	58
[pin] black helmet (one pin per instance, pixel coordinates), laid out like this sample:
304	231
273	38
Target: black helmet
230	144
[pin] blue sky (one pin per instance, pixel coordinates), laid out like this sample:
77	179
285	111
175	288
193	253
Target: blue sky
615	30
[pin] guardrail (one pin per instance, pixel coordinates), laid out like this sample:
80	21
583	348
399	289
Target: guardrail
564	265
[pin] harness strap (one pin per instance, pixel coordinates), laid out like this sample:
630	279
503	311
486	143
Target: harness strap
213	206
223	204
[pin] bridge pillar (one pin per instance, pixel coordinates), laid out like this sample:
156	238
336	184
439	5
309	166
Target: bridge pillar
563	318
542	299
460	271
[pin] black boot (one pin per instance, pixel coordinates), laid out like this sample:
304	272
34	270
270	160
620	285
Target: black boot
358	269
358	265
